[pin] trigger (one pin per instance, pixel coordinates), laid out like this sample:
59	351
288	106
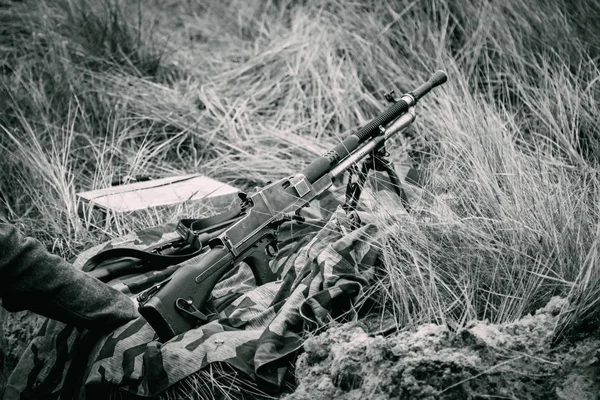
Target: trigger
271	250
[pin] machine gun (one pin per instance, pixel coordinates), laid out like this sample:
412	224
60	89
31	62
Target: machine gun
174	305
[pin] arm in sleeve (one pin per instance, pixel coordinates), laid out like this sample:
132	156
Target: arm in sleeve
31	278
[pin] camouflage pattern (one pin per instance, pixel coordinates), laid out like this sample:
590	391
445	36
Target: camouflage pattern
323	268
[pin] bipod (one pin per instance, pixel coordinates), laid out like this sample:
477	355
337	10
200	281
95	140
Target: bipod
376	161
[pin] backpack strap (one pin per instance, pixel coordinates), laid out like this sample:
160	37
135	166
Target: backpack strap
191	229
193	241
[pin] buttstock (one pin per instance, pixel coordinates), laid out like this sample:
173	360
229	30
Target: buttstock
191	284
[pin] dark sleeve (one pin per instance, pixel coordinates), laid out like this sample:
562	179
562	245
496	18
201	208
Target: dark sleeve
33	279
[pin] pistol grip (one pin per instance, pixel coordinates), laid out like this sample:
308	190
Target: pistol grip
258	260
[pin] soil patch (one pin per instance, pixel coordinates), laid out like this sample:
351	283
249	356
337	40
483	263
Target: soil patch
482	361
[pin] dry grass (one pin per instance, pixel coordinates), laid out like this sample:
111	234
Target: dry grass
247	91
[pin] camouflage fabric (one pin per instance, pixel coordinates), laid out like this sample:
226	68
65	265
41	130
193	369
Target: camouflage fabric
323	268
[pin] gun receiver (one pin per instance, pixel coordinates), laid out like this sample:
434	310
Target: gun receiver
173	306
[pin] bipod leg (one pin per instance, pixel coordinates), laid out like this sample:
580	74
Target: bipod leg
382	164
356	183
395	182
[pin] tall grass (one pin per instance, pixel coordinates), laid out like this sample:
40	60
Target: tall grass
247	91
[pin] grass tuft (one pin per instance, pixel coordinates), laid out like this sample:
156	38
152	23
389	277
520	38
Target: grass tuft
249	91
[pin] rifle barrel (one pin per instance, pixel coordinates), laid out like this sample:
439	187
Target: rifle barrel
395	127
324	163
